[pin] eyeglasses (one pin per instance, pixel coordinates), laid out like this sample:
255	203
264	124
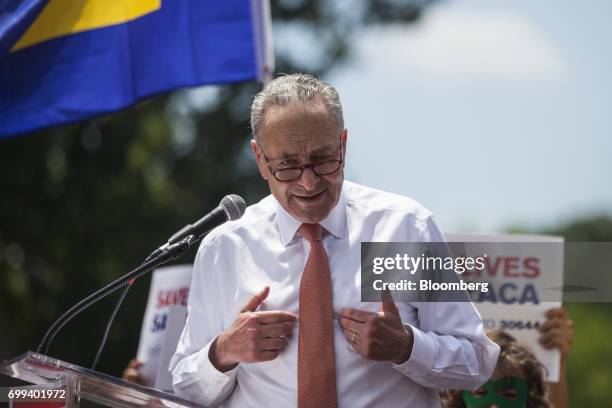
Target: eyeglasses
293	173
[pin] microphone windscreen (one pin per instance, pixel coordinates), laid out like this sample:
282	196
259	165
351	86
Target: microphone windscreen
233	205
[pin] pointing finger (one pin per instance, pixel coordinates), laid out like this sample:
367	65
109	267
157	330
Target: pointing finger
256	300
356	314
275	317
351	325
277	330
388	306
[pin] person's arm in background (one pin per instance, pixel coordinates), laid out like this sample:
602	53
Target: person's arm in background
557	332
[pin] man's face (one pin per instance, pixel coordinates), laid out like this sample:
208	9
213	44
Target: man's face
295	135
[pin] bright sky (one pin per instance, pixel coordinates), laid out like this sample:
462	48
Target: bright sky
491	114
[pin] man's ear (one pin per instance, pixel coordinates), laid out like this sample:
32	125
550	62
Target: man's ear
343	137
259	159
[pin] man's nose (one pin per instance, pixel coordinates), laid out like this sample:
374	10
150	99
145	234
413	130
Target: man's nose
308	180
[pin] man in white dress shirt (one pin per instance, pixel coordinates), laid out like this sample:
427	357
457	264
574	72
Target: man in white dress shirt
239	346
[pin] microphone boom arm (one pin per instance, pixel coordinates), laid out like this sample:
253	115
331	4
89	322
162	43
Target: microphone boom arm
172	252
231	207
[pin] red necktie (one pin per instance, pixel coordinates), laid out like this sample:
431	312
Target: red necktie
316	359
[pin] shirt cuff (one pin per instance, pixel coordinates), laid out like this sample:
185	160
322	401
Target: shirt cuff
216	380
421	358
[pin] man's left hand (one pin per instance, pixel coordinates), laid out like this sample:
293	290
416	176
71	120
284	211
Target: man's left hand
378	336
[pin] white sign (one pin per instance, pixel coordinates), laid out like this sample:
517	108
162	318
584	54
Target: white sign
523	275
177	315
169	290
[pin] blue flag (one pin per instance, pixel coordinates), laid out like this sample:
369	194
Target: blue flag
62	61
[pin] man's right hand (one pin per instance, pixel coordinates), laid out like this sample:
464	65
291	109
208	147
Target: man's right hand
254	336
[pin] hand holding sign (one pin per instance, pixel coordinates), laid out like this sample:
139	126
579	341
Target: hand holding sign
557	331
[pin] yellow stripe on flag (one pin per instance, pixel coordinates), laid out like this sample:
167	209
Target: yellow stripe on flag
63	17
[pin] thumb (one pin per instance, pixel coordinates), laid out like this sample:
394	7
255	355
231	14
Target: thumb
256	300
388	306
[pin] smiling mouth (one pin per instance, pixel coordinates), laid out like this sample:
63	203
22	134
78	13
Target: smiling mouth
312	197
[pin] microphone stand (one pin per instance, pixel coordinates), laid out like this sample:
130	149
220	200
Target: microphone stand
171	252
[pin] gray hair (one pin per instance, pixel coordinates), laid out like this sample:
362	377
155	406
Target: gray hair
293	88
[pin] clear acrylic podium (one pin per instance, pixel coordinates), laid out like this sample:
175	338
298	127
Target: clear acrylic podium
84	387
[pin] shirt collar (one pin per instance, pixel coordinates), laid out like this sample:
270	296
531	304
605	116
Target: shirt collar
335	222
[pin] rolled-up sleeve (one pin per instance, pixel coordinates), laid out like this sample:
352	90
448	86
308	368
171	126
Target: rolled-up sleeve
193	375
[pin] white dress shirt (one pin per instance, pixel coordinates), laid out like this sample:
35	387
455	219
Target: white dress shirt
263	248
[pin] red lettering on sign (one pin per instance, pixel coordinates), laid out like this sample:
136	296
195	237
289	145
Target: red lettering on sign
532	267
511	267
172	297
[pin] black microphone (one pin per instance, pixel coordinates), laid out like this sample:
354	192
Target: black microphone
230	208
